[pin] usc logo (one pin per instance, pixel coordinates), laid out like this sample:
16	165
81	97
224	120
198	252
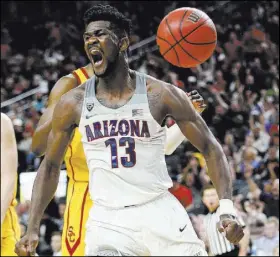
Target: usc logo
71	234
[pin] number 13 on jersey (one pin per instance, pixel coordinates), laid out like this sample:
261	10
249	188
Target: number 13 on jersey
128	142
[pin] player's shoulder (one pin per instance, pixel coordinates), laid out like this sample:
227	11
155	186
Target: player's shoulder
72	99
5	120
66	83
62	86
159	86
156	84
161	90
70	81
6	124
73	96
67	110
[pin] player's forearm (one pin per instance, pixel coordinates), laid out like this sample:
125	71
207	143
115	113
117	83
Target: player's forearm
40	139
174	137
44	188
7	190
218	170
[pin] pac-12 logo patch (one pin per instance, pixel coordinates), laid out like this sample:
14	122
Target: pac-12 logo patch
137	112
90	106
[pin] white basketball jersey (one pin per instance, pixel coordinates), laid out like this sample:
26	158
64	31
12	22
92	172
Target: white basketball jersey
124	149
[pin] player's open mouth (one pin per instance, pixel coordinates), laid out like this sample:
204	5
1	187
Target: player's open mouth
97	57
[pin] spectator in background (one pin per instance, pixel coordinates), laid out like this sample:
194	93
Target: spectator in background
265	245
252	211
182	193
276	251
23	229
216	242
261	137
61	209
270	198
56	243
233	47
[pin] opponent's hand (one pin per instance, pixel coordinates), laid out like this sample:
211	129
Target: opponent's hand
231	228
197	101
26	246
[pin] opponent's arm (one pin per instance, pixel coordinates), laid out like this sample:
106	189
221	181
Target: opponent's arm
174	136
9	162
47	178
40	137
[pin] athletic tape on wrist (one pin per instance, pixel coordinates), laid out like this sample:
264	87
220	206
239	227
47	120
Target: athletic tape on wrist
226	207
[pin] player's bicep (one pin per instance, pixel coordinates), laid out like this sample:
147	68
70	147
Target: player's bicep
57	146
198	133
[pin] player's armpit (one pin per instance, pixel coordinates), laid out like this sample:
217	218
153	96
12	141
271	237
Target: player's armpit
47	178
197	132
40	137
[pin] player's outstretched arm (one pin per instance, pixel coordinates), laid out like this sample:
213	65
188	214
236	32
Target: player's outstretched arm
40	137
174	136
47	178
9	162
197	132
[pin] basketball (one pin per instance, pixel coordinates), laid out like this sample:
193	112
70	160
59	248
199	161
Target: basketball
186	37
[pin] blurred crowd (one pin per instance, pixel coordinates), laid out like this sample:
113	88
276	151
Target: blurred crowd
240	85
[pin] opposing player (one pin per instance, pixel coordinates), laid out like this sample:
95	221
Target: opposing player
119	113
78	200
10	230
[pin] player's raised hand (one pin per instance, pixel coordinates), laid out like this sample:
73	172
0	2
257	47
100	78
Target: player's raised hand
197	101
26	246
231	228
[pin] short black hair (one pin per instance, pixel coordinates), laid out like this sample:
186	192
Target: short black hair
108	13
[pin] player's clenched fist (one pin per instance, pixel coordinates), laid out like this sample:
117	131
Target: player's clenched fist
197	101
232	229
27	245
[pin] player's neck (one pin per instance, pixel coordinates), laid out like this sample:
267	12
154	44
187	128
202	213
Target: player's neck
118	81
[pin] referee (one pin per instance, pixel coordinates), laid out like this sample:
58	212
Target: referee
217	243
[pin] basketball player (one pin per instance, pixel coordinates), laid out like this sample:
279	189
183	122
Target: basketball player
10	229
78	200
119	113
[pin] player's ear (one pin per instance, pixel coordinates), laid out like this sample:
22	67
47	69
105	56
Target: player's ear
124	44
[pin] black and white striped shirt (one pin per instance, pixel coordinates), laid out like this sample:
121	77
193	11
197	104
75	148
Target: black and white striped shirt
218	244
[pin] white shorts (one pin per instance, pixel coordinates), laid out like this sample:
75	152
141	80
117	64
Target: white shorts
158	228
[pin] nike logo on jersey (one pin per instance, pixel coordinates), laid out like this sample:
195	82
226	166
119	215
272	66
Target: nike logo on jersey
89	116
182	229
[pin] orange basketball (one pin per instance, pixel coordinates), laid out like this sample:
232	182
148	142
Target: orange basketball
186	37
